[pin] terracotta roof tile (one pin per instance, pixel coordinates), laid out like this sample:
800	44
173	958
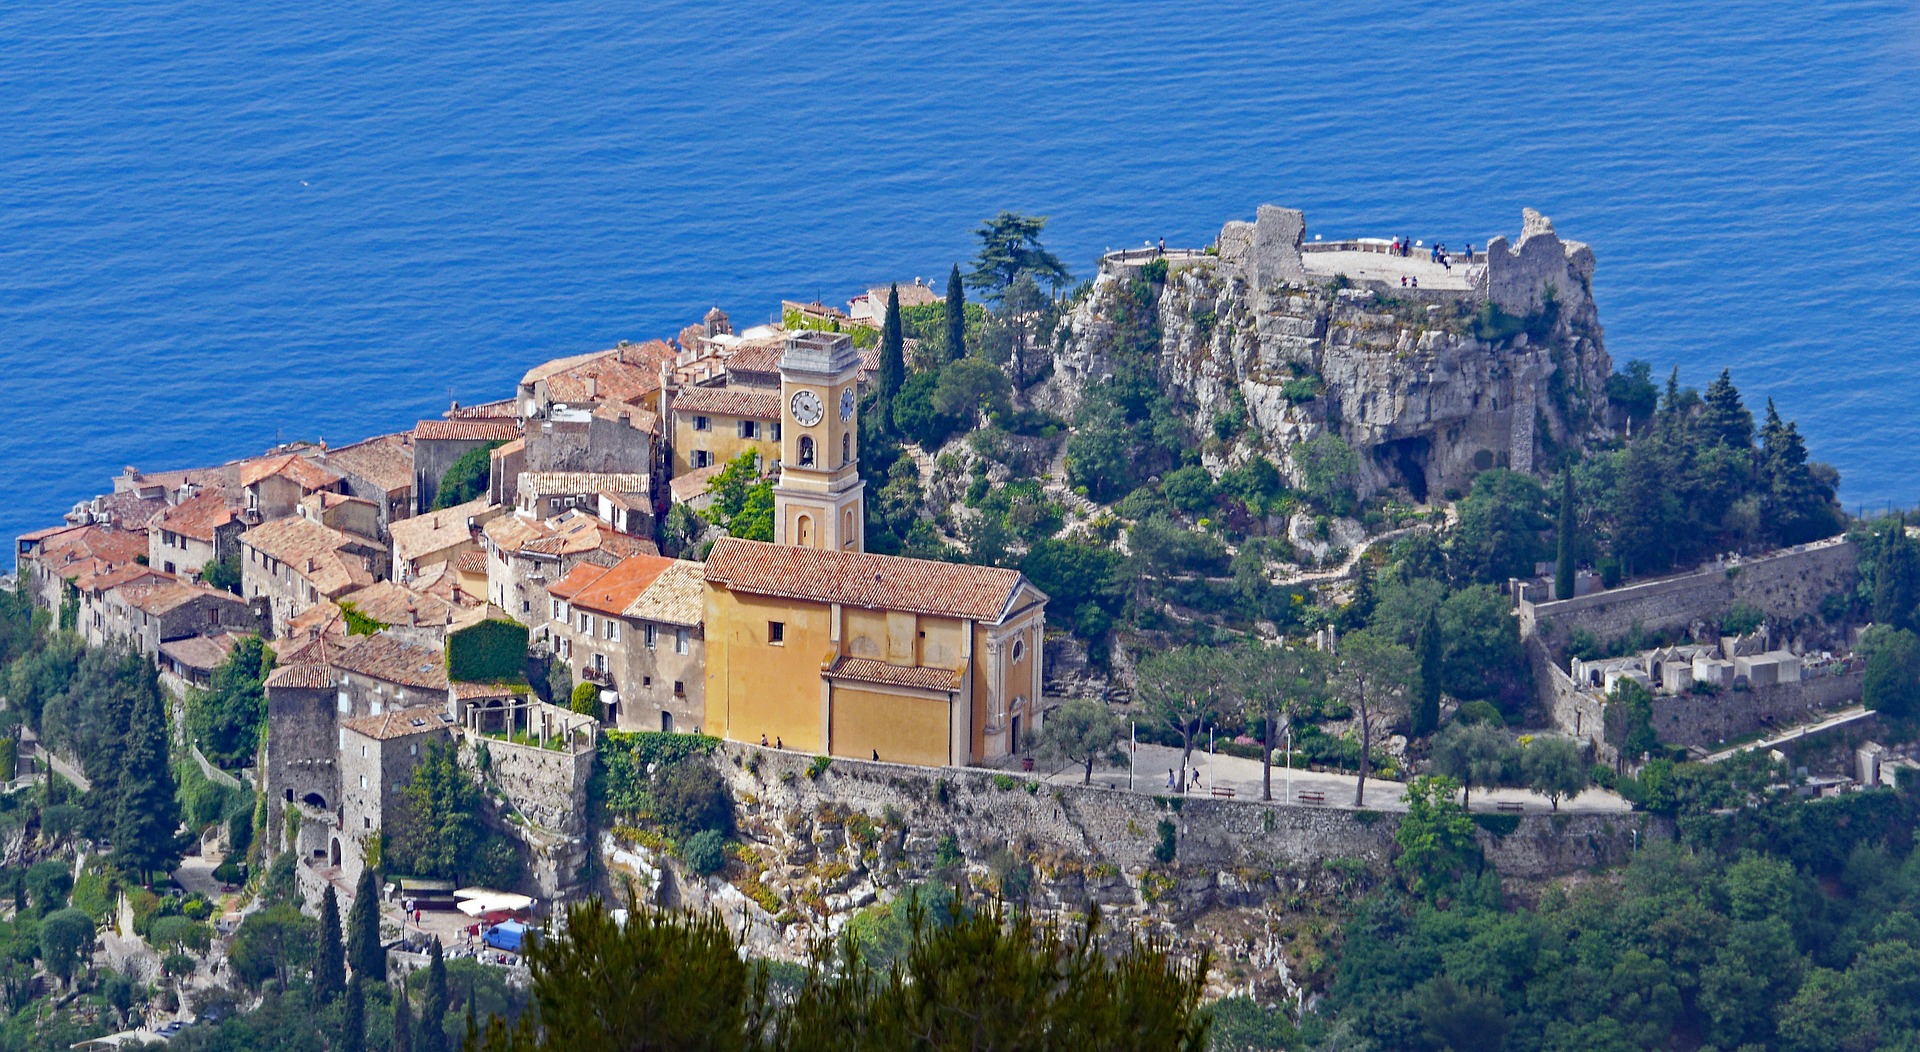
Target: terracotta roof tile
483	429
685	487
878	582
678	596
306	474
117	576
467	691
435	531
728	401
171	595
128	510
198	516
609	591
391	604
201	652
474	561
321	648
391	659
400	723
623	374
867	670
314	552
301	677
504	408
63	548
757	357
551	483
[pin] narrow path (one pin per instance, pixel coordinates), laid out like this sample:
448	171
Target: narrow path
1792	734
60	765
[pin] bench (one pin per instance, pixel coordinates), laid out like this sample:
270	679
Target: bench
1508	807
1312	796
1226	791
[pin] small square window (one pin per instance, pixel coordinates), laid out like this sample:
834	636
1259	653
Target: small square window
366	823
646	681
701	423
776	631
679	689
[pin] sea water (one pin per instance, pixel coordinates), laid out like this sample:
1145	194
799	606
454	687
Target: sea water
223	225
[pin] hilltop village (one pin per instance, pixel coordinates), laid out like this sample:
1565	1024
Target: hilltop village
1175	591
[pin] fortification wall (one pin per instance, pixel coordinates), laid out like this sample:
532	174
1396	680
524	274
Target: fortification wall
1708	719
1786	586
547	786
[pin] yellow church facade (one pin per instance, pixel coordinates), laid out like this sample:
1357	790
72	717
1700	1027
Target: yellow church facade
815	645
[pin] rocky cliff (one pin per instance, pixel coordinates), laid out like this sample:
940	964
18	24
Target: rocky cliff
1494	361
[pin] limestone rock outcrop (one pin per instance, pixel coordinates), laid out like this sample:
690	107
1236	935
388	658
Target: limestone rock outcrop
1499	364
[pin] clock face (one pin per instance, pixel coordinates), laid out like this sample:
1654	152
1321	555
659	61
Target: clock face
846	404
807	408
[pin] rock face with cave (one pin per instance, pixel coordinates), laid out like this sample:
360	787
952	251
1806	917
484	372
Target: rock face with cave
1431	371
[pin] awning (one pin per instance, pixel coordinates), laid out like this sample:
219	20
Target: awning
492	902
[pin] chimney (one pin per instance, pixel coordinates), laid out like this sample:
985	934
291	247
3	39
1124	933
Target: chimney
593	384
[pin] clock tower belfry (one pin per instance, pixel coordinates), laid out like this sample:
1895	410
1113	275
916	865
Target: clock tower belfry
818	501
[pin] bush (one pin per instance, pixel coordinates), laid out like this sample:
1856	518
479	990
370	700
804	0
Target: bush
705	852
489	652
1164	851
1479	712
689	798
228	872
586	699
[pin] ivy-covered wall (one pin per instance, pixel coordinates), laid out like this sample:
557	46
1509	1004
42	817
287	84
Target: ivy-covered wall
488	652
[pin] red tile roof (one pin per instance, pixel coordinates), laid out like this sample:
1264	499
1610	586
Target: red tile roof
198	516
400	723
170	595
728	401
609	591
201	652
877	582
391	659
72	550
300	677
922	677
482	429
386	461
306	474
757	357
313	552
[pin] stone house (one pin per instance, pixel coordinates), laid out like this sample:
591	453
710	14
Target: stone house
103	613
545	494
505	464
626	374
383	671
192	659
611	438
525	555
295	563
851	654
437	444
356	516
153	613
438	536
377	469
45	560
276	485
302	758
202	528
376	759
870	307
635	629
416	616
713	425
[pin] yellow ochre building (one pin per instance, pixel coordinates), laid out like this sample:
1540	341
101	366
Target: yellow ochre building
818	646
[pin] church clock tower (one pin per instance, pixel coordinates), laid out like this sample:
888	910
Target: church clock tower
819	500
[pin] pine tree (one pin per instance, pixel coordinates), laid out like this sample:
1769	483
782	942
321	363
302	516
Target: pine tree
1896	579
353	1022
893	362
1726	420
365	955
956	316
433	1004
1426	708
329	961
146	812
1796	506
1563	565
402	1020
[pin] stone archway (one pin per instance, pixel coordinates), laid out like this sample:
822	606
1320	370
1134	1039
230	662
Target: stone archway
333	853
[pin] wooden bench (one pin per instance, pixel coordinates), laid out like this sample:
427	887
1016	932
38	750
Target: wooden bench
1312	796
1226	791
1508	807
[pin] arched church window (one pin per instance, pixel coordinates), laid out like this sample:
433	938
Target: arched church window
806	451
846	448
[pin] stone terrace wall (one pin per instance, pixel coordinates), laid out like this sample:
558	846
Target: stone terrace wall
1097	825
1787	585
1707	719
548	786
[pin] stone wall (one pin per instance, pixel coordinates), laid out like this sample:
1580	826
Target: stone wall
1787	586
546	786
1708	719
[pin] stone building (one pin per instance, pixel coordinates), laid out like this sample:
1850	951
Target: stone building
611	438
438	536
202	528
628	374
379	470
437	444
545	494
46	560
636	630
151	613
713	425
376	759
295	563
276	485
525	555
384	671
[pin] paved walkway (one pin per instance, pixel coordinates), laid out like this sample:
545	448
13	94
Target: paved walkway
1388	268
1793	734
1241	775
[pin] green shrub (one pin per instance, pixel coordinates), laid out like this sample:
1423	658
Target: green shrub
705	852
1164	851
1479	712
1003	782
229	872
690	797
488	652
819	766
586	699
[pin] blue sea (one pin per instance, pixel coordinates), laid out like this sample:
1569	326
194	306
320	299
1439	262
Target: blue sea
227	224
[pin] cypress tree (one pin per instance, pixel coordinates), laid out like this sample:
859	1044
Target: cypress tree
1896	579
893	363
1563	566
146	812
1426	711
365	955
329	961
956	317
1726	421
473	1023
433	1004
402	1020
353	1023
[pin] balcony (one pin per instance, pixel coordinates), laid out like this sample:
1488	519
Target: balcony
595	675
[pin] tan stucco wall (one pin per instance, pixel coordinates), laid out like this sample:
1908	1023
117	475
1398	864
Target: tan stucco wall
901	729
756	688
723	441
